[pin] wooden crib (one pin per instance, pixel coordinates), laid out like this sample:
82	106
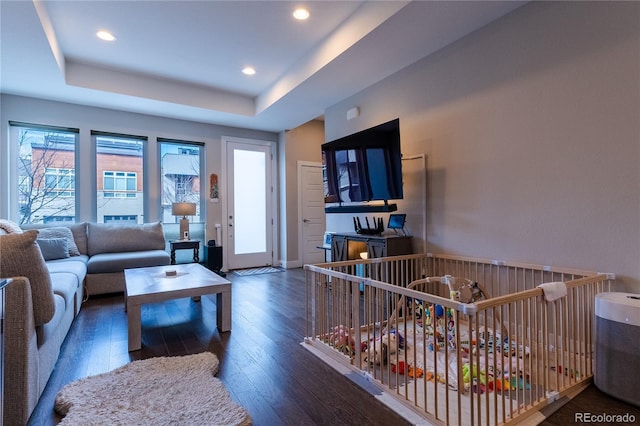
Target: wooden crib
399	324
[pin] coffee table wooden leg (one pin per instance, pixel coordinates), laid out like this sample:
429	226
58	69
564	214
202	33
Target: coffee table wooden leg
223	310
134	327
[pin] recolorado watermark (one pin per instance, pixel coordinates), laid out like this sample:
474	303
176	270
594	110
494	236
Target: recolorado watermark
604	418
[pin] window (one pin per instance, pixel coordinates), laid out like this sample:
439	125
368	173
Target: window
180	171
120	177
120	219
56	219
60	182
120	184
45	172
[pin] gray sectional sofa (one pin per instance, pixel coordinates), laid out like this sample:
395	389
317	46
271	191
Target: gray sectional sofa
51	271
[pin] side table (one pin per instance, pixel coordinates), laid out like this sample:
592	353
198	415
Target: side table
185	245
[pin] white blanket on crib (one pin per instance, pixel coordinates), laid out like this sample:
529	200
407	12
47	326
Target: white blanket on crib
553	290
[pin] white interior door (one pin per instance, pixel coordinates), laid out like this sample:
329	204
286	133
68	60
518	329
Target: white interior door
311	199
249	236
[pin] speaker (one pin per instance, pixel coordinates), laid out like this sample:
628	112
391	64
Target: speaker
214	259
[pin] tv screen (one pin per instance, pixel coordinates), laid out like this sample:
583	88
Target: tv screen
364	166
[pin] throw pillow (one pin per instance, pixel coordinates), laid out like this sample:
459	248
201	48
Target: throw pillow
21	257
60	232
10	227
53	248
79	231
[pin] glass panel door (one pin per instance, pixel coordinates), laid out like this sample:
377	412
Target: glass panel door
249	202
249	221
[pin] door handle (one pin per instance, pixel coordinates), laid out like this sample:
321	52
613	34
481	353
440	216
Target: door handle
306	220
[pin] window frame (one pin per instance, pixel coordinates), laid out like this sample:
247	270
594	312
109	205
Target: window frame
98	189
15	164
182	144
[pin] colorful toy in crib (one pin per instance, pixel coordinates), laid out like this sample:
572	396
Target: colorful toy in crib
441	326
499	385
431	376
520	382
478	380
473	376
411	371
342	340
398	368
415	372
415	307
569	373
434	313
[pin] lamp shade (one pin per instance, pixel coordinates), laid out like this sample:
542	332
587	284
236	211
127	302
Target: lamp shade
183	209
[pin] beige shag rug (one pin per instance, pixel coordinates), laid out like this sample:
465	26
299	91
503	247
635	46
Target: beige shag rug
156	391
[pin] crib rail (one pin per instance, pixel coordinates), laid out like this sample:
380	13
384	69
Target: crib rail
491	362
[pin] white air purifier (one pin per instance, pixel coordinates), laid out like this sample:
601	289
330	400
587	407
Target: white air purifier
617	348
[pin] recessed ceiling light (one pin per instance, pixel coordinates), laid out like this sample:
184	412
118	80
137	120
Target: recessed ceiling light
249	70
105	35
301	13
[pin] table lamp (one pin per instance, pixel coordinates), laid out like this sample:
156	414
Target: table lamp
184	210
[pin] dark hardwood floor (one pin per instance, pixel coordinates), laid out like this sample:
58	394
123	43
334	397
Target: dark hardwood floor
594	403
262	363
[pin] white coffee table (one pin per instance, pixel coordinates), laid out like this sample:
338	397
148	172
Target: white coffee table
152	285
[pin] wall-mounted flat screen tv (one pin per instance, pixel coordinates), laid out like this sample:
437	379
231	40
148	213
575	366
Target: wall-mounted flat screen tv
364	166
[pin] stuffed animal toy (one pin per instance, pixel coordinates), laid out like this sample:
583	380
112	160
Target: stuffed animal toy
377	352
381	349
342	339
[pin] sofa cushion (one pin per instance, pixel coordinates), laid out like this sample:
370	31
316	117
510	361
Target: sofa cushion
105	238
118	262
76	265
65	284
60	232
21	257
10	227
53	248
51	328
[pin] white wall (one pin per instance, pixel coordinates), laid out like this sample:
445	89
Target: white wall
299	144
531	131
38	111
